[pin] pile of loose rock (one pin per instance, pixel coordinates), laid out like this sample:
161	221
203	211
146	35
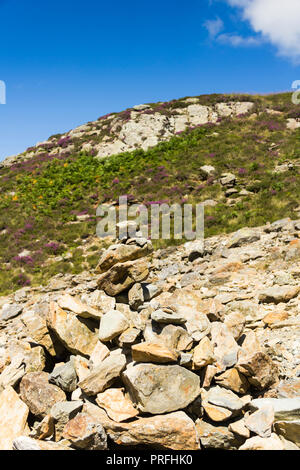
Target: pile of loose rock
186	348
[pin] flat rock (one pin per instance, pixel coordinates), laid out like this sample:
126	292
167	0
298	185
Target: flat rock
160	389
225	398
153	352
79	336
118	407
263	443
13	418
174	318
112	324
9	311
27	443
284	408
74	304
103	375
277	294
261	421
243	237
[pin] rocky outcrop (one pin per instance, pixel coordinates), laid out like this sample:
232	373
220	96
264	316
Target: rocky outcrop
139	127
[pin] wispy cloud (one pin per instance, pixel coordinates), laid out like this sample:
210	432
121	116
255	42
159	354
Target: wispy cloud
214	27
236	40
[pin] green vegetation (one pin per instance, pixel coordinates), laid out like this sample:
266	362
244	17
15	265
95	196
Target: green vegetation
48	206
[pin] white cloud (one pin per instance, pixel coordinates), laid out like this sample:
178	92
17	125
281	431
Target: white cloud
237	41
214	27
278	21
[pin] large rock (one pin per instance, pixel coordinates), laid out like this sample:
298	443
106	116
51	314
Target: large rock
263	443
261	421
277	294
112	324
203	354
226	348
118	407
35	321
13	418
153	352
189	305
64	376
160	389
259	369
284	408
219	396
79	336
86	432
103	375
73	304
290	430
174	431
216	436
233	380
122	276
122	253
242	237
38	394
9	311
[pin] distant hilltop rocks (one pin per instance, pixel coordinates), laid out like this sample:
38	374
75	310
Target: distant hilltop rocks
142	126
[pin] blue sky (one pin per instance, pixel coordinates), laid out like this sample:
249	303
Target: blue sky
68	62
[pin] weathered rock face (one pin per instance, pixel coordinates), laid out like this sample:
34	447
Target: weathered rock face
13	418
38	394
35	321
103	375
117	406
279	294
79	336
85	432
152	352
161	389
122	276
112	324
122	253
175	431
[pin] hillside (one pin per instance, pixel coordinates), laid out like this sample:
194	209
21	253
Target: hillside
49	193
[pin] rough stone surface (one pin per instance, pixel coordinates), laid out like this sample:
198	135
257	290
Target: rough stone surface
38	394
103	375
13	418
79	336
161	389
